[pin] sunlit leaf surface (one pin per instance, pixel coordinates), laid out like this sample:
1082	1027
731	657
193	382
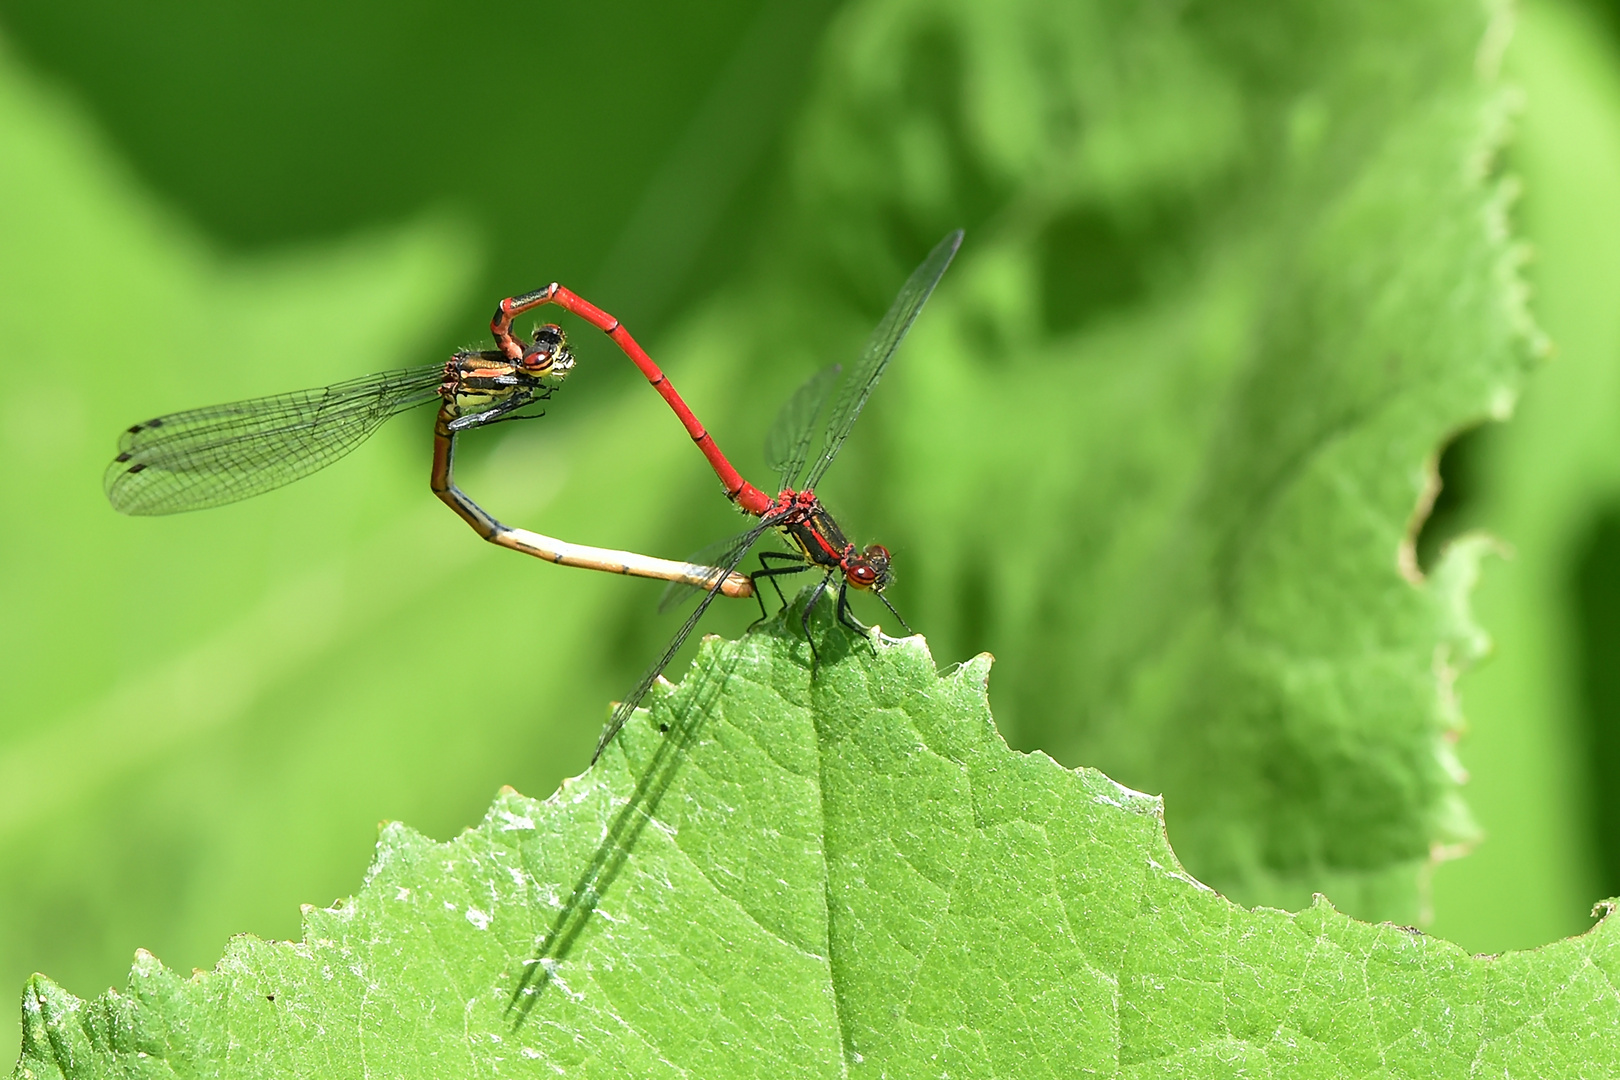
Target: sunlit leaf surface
852	875
1160	442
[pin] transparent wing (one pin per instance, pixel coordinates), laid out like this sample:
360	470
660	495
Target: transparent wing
788	444
622	713
880	349
207	457
679	593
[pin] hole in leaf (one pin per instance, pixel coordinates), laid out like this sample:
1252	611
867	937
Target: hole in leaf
1596	588
1456	506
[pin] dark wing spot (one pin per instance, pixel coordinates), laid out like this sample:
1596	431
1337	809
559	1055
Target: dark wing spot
137	467
154	423
125	456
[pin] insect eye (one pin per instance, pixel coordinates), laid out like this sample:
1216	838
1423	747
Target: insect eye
877	553
549	354
862	574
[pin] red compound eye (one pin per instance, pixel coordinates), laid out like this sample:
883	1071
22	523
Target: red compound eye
862	574
550	350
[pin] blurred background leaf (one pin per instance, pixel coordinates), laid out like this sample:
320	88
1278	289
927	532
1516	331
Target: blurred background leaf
1544	741
1165	451
1229	281
206	717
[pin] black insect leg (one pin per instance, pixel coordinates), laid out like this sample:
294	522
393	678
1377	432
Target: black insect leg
846	615
768	571
771	573
503	411
488	416
514	416
895	613
815	657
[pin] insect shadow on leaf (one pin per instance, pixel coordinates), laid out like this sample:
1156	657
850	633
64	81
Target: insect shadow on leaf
692	704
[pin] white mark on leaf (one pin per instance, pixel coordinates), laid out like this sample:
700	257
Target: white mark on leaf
511	822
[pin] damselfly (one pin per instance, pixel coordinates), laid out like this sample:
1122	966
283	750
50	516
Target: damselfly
795	512
223	453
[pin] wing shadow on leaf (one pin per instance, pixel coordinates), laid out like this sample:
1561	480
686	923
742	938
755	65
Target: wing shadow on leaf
694	703
694	707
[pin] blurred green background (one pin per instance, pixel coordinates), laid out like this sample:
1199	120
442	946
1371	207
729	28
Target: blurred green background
203	719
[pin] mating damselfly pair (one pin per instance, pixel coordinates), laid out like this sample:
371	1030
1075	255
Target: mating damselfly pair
220	454
211	456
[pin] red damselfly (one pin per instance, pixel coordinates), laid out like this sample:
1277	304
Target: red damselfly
795	512
223	453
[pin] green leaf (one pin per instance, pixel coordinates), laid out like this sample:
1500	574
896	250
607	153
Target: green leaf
144	663
1164	438
1160	442
203	717
1542	751
851	874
